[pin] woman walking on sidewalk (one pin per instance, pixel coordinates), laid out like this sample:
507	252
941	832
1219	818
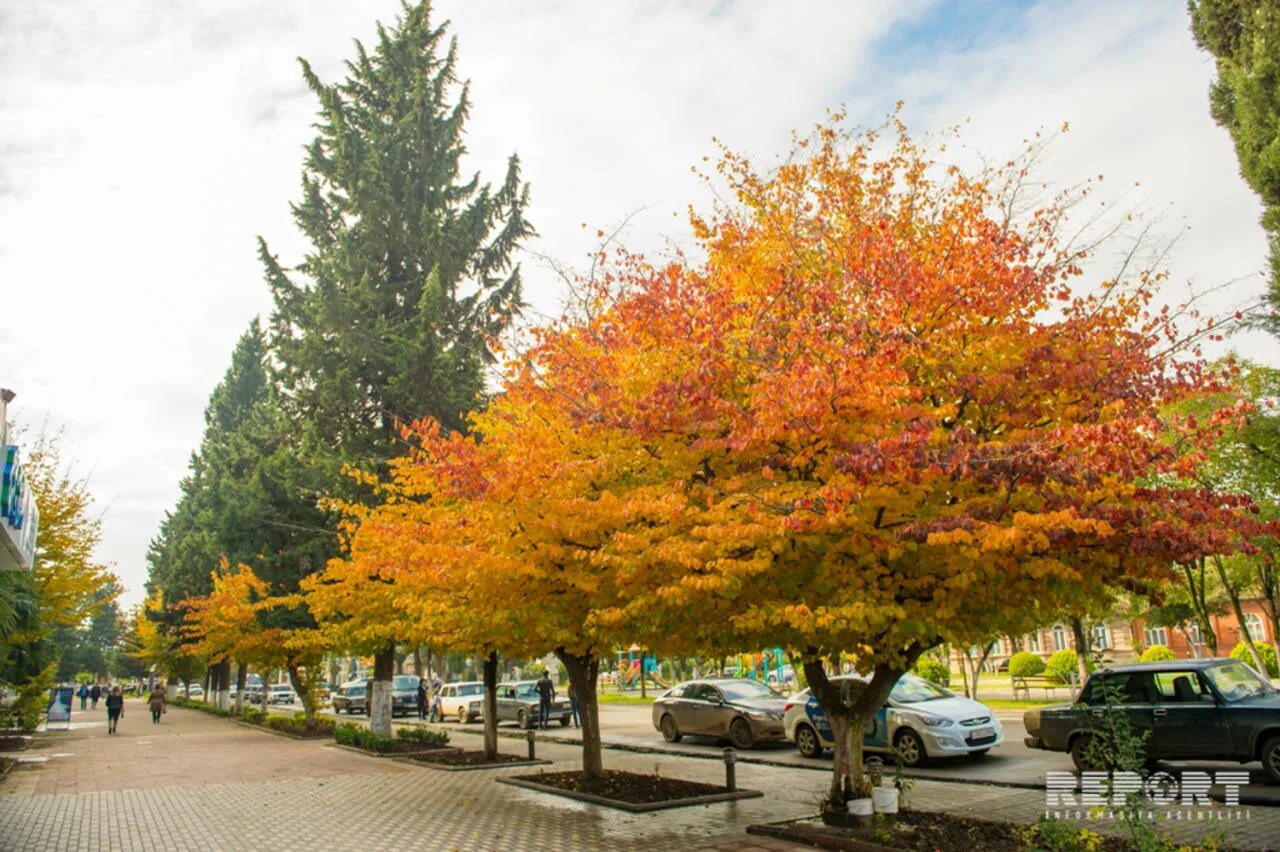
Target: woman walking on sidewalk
156	704
115	709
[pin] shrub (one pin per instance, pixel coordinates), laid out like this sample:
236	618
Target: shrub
426	736
1266	652
1025	664
1156	653
1063	666
354	735
933	670
254	715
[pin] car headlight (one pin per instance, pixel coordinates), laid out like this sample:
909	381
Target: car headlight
936	721
757	714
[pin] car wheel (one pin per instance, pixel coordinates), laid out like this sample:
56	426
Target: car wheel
670	732
564	721
1079	746
1270	757
522	719
740	733
807	741
910	748
463	716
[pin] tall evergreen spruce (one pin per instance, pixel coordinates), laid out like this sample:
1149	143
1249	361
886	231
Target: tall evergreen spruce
387	318
1244	36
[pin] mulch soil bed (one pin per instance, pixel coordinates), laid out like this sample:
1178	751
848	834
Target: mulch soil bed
451	756
6	766
400	748
915	830
630	791
8	743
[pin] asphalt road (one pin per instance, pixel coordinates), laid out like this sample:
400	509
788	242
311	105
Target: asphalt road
1011	763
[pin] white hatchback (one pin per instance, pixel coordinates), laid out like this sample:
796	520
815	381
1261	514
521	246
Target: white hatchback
464	701
920	721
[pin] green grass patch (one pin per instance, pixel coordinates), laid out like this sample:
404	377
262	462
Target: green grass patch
625	698
1021	704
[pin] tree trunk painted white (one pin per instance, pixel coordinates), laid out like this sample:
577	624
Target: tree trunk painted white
384	663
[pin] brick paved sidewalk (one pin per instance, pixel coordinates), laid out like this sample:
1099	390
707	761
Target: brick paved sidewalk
199	782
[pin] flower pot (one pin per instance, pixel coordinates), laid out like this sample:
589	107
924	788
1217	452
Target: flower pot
860	810
885	800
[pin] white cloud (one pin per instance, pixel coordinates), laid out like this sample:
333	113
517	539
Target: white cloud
144	145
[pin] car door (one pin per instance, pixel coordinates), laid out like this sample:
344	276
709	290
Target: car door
714	715
690	710
448	704
1134	694
1187	721
506	703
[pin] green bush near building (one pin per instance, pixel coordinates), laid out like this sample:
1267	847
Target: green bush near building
932	670
1156	653
1266	652
1063	666
1025	664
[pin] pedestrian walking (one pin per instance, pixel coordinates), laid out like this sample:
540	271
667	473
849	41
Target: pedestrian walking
83	692
573	704
95	692
422	698
115	709
546	692
156	703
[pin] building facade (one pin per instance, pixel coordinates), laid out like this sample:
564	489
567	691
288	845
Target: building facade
19	517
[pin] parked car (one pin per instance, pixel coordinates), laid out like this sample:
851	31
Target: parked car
464	700
282	693
350	697
788	677
747	712
195	690
921	720
404	695
1218	709
518	702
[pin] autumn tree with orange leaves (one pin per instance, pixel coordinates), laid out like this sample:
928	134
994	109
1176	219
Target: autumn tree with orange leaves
883	412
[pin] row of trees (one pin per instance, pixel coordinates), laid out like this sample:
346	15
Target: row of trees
60	619
873	413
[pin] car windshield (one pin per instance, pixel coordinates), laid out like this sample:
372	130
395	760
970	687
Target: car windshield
911	689
745	690
404	682
281	688
1236	681
526	690
471	689
356	691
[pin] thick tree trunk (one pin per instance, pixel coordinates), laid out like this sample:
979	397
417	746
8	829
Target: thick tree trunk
1082	650
384	663
583	672
417	662
242	677
222	675
303	691
491	706
848	712
266	691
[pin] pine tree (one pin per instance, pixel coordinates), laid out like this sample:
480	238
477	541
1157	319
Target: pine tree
1244	36
410	271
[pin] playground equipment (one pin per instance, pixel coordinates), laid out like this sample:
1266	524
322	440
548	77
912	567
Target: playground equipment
765	666
630	663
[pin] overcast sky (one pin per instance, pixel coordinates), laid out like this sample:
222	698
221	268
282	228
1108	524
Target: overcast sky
144	146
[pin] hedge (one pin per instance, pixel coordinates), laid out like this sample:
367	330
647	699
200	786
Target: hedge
1025	664
930	669
1241	652
1063	666
1156	653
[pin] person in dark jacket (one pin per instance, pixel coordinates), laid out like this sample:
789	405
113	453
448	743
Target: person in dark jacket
422	698
83	692
546	692
156	703
95	692
115	709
